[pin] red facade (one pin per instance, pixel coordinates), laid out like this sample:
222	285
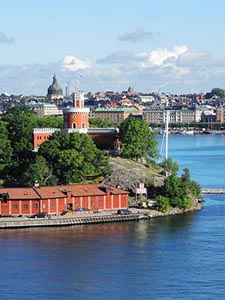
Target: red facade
56	199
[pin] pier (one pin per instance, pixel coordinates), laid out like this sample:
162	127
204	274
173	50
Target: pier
6	223
213	191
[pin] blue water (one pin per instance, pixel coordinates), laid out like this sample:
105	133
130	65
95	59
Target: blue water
176	257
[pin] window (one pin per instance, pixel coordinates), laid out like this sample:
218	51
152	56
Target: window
83	125
15	206
92	202
77	203
35	205
74	125
100	202
25	206
44	206
52	205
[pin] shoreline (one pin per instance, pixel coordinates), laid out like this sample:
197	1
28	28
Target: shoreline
102	217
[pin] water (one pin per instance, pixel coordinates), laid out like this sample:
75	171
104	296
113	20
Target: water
176	257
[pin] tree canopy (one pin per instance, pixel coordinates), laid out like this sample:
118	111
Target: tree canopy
74	158
137	140
100	123
178	191
218	92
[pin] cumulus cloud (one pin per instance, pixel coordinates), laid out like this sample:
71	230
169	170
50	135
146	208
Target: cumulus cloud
72	63
159	57
5	40
137	35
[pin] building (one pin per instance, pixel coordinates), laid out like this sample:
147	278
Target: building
56	199
157	115
76	119
54	91
153	114
47	109
115	115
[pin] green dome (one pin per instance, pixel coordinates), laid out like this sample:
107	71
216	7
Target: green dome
54	89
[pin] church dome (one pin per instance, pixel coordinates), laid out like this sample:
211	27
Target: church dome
54	90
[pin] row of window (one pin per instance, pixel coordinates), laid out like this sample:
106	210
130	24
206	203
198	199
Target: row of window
39	137
83	125
25	206
35	206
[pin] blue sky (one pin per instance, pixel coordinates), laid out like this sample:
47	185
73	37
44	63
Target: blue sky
146	44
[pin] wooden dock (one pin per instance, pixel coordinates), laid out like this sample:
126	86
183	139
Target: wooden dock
212	191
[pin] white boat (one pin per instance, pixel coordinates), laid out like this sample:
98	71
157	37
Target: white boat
187	132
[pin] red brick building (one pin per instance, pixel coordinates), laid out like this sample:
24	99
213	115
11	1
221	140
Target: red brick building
56	199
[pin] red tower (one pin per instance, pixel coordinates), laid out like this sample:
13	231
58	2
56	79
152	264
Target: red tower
76	117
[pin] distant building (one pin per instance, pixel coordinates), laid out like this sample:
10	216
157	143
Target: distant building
54	91
115	115
47	109
157	115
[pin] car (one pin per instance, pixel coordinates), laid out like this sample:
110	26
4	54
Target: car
81	209
124	212
40	215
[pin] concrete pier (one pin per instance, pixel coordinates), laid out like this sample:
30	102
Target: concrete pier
68	221
212	191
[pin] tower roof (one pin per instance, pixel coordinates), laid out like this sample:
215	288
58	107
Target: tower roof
55	89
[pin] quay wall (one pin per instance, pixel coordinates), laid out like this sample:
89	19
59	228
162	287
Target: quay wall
54	222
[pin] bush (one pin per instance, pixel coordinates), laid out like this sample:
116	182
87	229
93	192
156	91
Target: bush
163	203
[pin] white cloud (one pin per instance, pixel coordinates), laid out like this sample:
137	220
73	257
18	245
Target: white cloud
72	63
158	57
181	68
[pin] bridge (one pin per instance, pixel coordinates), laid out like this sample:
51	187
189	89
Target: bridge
213	191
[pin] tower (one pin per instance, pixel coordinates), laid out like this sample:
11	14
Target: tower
76	118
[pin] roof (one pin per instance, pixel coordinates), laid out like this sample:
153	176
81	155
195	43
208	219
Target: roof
116	109
20	193
50	192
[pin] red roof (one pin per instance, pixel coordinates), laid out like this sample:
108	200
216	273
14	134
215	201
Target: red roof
49	192
60	191
20	193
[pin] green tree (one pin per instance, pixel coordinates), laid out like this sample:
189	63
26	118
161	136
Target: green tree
218	92
170	167
100	123
137	140
50	121
174	190
20	122
191	187
38	171
5	148
163	203
74	157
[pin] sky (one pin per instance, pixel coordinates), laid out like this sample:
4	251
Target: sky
165	45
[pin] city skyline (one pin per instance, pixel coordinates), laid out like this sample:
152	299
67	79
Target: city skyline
175	46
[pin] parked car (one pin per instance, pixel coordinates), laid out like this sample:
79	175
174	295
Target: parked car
40	215
81	209
124	212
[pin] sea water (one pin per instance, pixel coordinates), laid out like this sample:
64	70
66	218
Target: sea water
175	257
